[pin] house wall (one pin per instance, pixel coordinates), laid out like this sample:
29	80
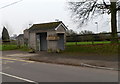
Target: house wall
20	41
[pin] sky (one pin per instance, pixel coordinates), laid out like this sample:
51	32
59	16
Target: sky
17	17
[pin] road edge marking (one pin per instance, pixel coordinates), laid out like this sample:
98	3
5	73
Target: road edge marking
16	59
27	80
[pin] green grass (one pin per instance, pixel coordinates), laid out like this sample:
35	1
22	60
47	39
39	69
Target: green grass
104	47
82	43
0	47
13	47
7	47
24	48
97	48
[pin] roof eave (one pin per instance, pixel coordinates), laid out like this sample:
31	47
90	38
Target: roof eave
62	25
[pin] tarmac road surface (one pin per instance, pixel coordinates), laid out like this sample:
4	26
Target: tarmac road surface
14	70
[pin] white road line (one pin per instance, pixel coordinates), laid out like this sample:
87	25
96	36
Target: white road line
27	80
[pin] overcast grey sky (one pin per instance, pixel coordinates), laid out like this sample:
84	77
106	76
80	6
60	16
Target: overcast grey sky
18	16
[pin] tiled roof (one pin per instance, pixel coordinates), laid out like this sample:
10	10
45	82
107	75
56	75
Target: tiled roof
45	26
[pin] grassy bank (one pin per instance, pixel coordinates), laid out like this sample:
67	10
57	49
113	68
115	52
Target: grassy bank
97	48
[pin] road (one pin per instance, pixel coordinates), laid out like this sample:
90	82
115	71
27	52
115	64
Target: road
14	70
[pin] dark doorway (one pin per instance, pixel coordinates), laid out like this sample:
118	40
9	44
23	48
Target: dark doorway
42	43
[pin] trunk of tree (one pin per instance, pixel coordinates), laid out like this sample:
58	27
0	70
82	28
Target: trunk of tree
114	35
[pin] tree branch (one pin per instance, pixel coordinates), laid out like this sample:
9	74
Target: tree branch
106	6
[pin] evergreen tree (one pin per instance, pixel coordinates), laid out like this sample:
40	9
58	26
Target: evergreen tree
5	35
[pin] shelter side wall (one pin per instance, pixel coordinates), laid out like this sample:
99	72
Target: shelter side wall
32	41
52	44
26	36
61	29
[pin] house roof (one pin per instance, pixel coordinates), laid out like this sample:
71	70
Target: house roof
45	26
20	35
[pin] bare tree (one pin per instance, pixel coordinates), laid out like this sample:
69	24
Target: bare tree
70	32
83	10
85	32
